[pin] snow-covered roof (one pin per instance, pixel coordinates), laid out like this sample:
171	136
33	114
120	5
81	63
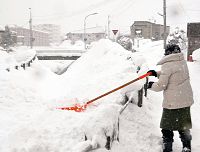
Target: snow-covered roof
19	36
12	26
20	27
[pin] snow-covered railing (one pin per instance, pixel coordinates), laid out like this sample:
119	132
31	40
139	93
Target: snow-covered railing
58	54
113	134
24	64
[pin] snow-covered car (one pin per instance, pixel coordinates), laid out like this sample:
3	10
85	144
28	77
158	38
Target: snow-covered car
126	42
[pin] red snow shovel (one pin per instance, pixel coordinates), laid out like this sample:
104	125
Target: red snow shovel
80	108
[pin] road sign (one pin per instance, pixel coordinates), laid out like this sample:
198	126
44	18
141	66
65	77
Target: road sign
115	32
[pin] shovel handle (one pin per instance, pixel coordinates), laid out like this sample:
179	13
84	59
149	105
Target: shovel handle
120	87
83	107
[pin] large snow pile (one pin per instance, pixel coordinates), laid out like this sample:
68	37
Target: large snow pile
57	66
18	57
1	49
6	60
196	55
66	43
107	63
77	45
23	55
29	119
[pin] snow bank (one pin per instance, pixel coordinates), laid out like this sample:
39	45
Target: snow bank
57	66
108	63
30	121
77	45
6	60
23	55
16	58
196	55
1	49
24	111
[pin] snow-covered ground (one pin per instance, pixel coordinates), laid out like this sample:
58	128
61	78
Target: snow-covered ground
78	45
56	66
140	126
30	121
17	57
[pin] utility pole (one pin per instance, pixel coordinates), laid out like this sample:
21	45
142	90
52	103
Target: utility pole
31	32
108	26
164	18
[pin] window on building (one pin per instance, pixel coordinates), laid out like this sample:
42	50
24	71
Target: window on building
138	32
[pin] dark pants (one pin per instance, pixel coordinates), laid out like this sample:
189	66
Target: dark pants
176	119
168	139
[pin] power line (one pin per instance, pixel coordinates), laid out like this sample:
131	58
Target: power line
75	13
126	7
25	24
86	28
193	10
181	6
122	5
59	16
49	15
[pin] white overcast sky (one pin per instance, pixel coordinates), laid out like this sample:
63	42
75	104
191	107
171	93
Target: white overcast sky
70	13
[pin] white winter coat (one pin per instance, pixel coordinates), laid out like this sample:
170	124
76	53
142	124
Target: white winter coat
174	80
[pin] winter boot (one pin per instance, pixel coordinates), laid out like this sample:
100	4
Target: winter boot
186	140
167	147
186	150
167	140
186	146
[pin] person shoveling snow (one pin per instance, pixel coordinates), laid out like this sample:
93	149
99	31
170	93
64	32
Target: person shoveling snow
174	81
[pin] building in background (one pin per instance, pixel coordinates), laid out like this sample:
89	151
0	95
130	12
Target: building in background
40	38
2	30
8	37
193	34
92	34
54	31
148	30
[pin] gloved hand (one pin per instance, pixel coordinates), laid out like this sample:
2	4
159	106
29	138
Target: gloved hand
149	85
153	73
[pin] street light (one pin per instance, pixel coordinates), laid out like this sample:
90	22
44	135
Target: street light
84	35
31	32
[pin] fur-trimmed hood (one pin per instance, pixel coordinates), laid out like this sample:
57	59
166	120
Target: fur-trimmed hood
171	57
